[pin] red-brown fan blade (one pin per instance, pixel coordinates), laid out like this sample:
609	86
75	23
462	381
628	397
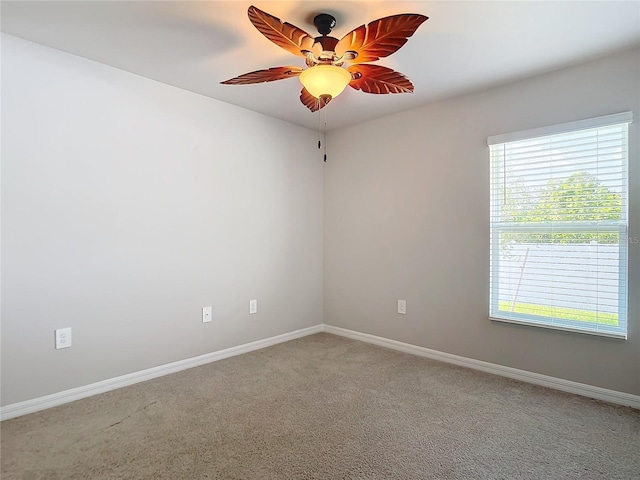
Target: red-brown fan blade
312	103
378	79
261	76
285	35
380	38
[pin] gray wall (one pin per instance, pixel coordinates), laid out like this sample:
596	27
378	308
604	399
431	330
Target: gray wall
406	217
127	206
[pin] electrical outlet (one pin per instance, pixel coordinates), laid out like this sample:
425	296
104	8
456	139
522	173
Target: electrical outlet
253	306
402	307
206	314
63	338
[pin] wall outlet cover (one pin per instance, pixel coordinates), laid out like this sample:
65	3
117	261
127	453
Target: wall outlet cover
63	338
253	306
402	307
206	314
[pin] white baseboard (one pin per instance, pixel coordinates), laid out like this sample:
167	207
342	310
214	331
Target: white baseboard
619	398
66	396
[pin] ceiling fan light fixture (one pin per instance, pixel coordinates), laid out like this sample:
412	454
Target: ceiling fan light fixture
321	80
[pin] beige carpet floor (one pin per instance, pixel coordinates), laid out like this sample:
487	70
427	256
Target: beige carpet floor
325	407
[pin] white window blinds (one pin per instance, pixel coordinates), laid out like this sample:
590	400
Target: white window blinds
559	226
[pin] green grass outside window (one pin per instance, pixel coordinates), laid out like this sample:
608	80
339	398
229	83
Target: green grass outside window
588	316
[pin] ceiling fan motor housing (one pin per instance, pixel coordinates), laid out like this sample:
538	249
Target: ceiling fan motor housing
328	44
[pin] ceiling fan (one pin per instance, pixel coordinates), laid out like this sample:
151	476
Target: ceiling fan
325	77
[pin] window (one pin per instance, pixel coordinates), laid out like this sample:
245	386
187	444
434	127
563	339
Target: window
559	226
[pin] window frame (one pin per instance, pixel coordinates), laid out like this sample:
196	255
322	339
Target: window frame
620	331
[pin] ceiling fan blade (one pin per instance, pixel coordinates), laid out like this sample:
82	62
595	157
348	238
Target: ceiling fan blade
312	103
285	35
261	76
378	79
379	38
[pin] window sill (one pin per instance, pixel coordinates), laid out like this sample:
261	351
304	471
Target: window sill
619	336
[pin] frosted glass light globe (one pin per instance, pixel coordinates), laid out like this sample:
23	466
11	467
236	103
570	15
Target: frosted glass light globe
322	80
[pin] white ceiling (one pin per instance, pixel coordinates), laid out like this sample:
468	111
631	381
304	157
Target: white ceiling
464	46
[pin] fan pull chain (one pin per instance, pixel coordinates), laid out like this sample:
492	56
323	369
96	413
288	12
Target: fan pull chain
319	124
322	133
325	135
